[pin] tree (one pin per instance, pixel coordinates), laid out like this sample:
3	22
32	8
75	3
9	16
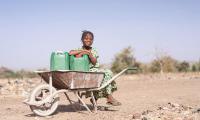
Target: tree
194	68
183	66
155	66
123	59
198	65
164	64
158	62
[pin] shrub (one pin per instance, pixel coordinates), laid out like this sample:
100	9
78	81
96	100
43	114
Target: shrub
194	68
163	64
123	59
183	66
7	73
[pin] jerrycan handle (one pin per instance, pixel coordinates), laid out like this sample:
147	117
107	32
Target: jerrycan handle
59	52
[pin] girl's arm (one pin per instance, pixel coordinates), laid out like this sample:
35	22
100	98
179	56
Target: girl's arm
75	52
82	52
91	57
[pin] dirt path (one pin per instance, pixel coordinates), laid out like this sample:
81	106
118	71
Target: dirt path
137	93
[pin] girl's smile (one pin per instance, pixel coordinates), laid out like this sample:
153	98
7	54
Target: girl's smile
87	41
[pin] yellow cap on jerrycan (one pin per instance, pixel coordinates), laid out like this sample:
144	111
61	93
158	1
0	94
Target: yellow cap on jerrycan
79	64
59	61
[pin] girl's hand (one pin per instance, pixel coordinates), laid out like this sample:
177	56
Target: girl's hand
83	52
87	52
78	55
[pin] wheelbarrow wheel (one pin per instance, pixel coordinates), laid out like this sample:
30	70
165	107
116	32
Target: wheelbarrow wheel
39	94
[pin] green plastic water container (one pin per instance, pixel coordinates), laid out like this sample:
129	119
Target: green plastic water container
59	61
79	64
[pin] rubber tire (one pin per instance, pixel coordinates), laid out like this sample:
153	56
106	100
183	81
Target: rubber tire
53	107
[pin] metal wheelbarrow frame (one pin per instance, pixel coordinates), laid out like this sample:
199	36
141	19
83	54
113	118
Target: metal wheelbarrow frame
48	104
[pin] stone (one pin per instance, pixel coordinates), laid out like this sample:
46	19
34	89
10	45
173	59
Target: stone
144	118
136	116
146	112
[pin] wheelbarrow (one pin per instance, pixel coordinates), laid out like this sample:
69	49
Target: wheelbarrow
43	100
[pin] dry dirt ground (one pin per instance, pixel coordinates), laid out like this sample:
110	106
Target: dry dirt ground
137	93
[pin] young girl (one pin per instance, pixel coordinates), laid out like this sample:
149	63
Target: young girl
87	40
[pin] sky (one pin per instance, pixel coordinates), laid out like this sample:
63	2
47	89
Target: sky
31	29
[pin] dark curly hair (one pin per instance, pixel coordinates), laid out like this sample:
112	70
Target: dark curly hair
85	33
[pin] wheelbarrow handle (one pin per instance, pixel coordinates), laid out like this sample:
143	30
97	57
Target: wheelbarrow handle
115	77
132	68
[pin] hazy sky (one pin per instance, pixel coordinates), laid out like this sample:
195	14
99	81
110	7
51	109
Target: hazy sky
31	29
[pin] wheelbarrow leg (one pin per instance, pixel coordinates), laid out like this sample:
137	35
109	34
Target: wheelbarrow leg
76	93
70	101
94	102
79	96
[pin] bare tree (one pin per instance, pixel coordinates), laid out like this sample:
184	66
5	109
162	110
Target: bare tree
159	54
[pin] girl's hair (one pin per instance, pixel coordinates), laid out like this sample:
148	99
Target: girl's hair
84	34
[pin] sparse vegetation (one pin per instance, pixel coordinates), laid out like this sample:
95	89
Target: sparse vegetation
123	59
183	66
162	63
8	73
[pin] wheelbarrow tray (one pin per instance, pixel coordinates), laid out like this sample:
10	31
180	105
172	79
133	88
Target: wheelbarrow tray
73	79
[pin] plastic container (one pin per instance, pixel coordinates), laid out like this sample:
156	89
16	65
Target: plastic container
79	64
59	61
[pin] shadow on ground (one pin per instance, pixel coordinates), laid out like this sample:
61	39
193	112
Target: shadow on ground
76	108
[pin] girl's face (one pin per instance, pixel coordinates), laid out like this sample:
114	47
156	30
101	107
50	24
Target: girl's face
87	41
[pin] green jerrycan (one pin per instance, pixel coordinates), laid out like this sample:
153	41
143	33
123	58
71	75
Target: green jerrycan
59	61
79	64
